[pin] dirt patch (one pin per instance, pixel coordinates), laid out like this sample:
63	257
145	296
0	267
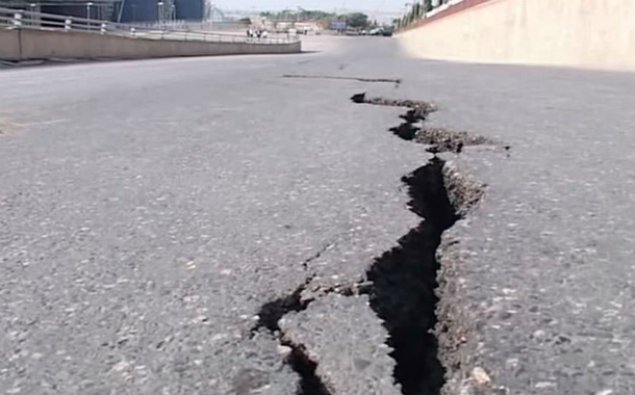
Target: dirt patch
464	191
446	140
421	108
414	129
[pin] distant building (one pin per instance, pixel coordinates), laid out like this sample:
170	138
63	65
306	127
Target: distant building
163	10
308	26
91	9
190	10
141	10
126	11
262	23
284	26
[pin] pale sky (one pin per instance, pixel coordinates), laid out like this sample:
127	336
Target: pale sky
326	5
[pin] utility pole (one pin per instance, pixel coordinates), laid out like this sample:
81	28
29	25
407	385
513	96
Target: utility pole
88	5
160	11
211	15
121	7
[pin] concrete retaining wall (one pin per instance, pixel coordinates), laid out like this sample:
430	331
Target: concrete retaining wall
596	34
42	44
9	44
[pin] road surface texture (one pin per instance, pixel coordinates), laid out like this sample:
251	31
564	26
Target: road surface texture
208	226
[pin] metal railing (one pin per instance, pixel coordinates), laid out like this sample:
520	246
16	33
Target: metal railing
178	24
22	19
422	9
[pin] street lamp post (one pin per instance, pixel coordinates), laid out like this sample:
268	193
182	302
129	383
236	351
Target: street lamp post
32	7
88	5
160	10
211	14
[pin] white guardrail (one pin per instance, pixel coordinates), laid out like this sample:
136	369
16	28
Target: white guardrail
415	12
21	19
442	8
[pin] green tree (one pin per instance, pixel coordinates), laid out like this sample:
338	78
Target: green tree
416	10
357	20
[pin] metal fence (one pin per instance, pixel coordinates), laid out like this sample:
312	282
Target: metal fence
22	19
422	9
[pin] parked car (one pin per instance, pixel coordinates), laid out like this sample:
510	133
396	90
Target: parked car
385	31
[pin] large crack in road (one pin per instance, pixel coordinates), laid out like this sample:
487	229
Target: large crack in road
405	280
269	316
414	128
402	283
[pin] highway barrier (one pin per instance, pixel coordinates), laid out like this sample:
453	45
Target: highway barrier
29	35
573	33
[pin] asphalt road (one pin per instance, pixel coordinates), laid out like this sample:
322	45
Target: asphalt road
150	209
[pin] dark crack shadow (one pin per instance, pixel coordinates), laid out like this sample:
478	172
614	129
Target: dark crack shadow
405	280
405	131
298	359
305	367
271	312
413	128
420	108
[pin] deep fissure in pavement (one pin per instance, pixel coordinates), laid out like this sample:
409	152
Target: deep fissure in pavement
413	129
271	312
269	316
402	283
418	111
305	367
420	108
406	131
405	281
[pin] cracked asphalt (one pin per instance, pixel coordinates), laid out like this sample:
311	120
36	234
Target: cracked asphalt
148	209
